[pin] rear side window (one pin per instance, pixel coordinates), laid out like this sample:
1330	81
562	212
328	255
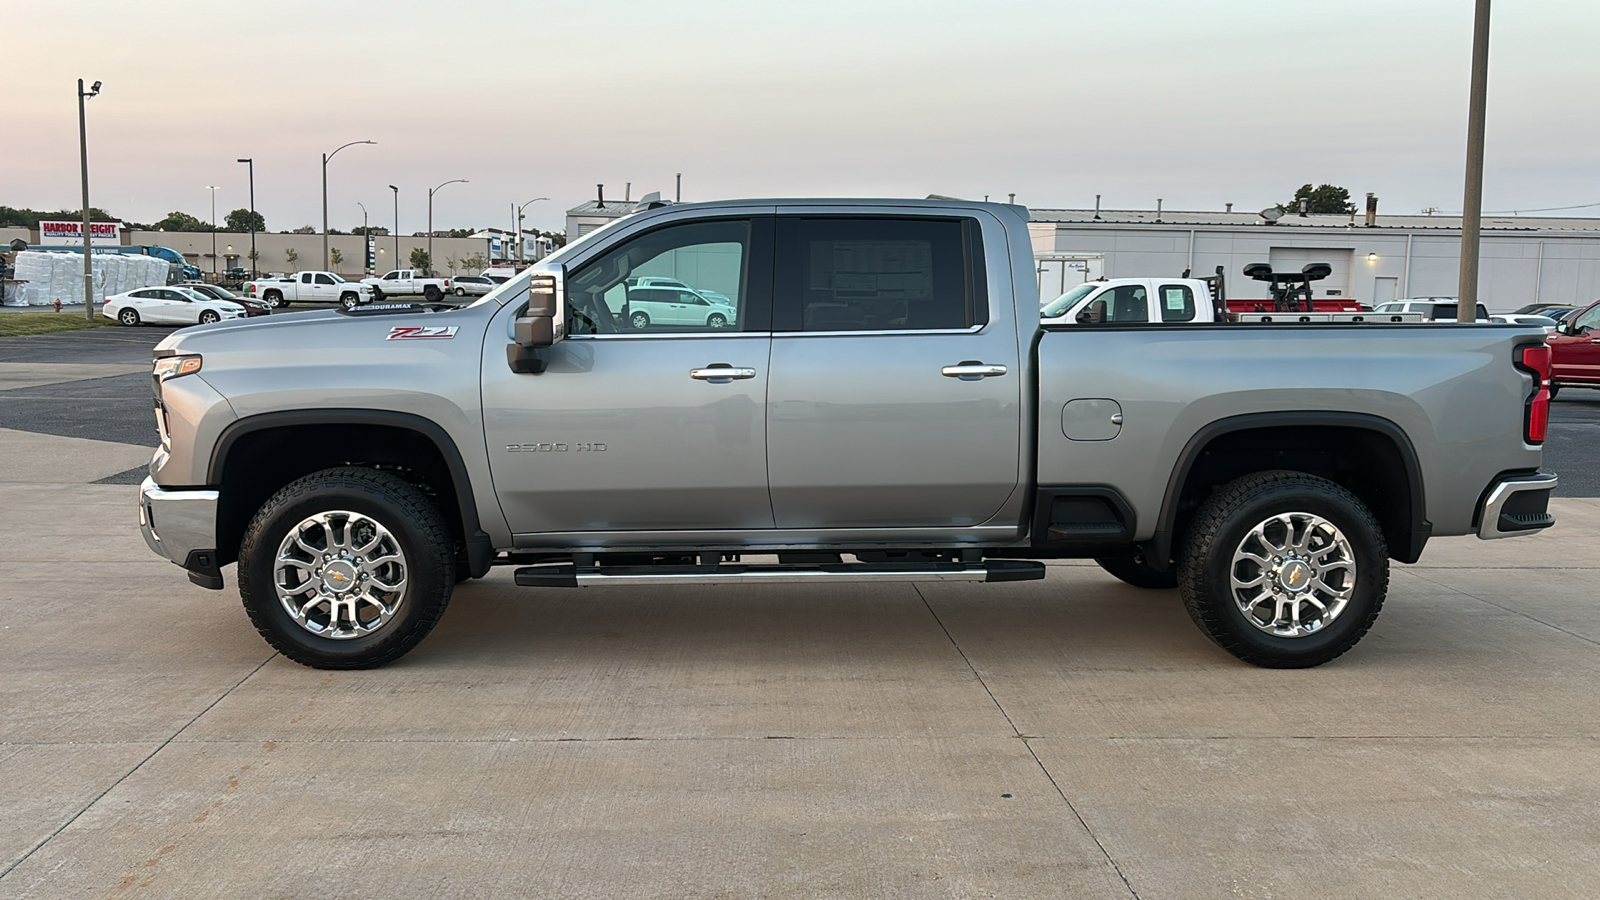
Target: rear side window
879	274
1177	303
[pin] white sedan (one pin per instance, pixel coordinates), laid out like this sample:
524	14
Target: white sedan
168	306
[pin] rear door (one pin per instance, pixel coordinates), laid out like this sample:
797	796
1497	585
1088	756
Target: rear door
895	398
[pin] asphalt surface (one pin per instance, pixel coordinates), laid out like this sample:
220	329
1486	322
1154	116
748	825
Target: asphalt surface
118	408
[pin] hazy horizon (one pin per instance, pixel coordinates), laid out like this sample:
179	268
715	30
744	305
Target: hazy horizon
1235	101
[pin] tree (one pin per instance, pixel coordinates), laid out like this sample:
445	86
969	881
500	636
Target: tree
460	232
243	220
369	230
420	260
475	263
181	221
292	255
1325	199
253	256
450	261
305	229
336	255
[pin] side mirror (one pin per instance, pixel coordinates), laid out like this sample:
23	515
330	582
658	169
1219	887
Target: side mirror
542	324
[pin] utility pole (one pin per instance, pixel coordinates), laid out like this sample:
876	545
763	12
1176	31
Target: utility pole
83	152
1472	201
213	189
252	164
396	227
325	157
430	218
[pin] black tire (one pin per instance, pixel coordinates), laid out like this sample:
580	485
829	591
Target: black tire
639	320
1135	571
128	316
1219	528
431	293
1554	389
275	299
717	320
377	295
208	316
418	528
349	301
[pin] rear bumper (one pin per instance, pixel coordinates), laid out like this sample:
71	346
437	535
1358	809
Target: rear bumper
1516	505
182	526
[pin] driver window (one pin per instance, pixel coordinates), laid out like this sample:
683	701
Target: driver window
606	296
323	279
1588	320
1122	304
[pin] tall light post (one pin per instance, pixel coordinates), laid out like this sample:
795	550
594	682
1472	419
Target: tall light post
83	151
1472	205
325	157
430	218
252	164
366	241
213	189
396	225
519	225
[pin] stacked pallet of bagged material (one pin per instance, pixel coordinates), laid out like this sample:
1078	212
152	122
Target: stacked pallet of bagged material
27	270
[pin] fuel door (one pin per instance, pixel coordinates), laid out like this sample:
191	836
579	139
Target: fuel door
1095	419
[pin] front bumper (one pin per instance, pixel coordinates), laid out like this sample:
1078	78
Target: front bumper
182	526
1516	505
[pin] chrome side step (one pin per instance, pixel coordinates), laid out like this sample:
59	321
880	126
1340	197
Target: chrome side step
569	575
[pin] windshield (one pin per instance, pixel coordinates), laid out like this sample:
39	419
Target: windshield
1061	304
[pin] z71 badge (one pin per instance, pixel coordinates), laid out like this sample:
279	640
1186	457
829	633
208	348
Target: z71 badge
422	332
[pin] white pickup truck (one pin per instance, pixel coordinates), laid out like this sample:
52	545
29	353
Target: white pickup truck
1181	301
309	287
408	282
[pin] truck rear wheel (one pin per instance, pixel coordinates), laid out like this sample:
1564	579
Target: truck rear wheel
346	568
1135	571
275	299
1284	570
431	293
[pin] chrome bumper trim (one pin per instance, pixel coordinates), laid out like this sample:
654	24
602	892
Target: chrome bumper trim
1493	505
176	523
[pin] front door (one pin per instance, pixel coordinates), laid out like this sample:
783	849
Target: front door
1575	350
896	389
643	429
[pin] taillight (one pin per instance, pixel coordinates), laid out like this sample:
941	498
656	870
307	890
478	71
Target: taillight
1535	360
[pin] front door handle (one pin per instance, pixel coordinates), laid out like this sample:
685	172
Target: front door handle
721	373
971	370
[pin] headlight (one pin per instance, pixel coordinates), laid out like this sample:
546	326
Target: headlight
173	366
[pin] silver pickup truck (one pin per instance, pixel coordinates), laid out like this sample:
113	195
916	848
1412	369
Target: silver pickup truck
882	404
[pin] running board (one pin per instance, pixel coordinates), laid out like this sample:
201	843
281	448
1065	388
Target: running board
569	575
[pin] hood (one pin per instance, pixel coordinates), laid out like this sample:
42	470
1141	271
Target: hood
323	330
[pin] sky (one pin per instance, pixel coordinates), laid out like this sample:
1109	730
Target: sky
1198	104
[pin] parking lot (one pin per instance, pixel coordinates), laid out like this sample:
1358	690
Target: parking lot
1071	737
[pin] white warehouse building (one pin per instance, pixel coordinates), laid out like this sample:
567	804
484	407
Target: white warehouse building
1523	259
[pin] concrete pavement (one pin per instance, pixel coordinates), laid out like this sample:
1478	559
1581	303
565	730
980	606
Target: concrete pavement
1068	738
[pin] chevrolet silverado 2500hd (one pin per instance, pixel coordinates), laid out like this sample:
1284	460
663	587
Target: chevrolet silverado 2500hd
884	405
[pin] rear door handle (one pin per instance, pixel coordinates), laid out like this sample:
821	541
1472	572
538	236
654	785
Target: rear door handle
721	373
971	370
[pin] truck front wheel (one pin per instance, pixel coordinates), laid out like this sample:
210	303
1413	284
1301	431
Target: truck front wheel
346	568
1284	570
349	301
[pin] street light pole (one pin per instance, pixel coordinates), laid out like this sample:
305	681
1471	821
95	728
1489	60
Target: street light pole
83	151
519	225
366	241
430	218
1472	205
252	163
396	225
325	157
213	189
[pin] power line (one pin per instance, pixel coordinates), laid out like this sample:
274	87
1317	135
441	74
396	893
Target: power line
1516	212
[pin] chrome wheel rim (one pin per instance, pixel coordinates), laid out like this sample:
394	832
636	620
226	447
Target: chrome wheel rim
1293	574
129	317
340	575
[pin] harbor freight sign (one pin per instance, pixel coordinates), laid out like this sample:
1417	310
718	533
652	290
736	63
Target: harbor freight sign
52	232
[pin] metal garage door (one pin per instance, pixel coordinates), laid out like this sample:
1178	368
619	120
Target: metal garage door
1293	259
